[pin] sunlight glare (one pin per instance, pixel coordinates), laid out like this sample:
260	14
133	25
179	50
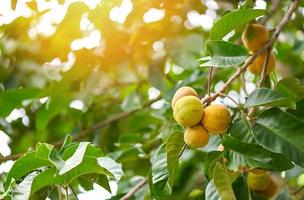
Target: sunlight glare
197	20
153	15
260	4
7	15
120	13
4	141
158	45
85	23
88	42
77	104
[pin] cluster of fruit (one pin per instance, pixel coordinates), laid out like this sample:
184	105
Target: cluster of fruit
199	121
261	182
254	37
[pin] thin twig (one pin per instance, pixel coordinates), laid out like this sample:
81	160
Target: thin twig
59	192
298	191
243	84
264	69
74	192
267	45
182	151
66	193
134	189
85	133
234	101
275	4
262	78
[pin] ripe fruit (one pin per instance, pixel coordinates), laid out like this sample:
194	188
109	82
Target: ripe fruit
258	181
271	189
188	111
255	36
216	118
257	66
196	136
181	92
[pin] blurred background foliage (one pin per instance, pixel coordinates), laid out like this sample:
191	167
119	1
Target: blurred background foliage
83	61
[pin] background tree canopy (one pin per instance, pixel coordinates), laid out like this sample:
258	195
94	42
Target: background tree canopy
86	89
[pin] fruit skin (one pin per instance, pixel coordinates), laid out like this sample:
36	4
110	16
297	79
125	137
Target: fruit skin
216	118
196	136
271	189
181	92
258	181
255	36
257	66
188	111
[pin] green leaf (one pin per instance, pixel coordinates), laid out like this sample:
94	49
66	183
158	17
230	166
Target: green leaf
11	185
11	99
91	151
300	105
281	132
211	158
50	176
291	88
67	140
222	182
267	97
225	54
111	166
241	189
233	20
75	159
211	192
160	175
47	152
241	130
236	161
131	102
185	50
22	190
174	145
257	156
24	165
55	105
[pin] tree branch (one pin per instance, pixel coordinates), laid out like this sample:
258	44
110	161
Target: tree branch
133	190
262	78
275	4
269	44
264	69
85	133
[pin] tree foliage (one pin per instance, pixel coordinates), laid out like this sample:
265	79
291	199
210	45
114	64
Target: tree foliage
86	90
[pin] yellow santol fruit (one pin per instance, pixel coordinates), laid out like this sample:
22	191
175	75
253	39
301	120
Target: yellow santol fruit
181	92
257	66
216	118
196	136
270	190
188	111
258	181
255	36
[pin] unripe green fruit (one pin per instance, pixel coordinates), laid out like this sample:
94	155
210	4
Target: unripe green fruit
216	118
196	136
188	111
181	92
258	181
